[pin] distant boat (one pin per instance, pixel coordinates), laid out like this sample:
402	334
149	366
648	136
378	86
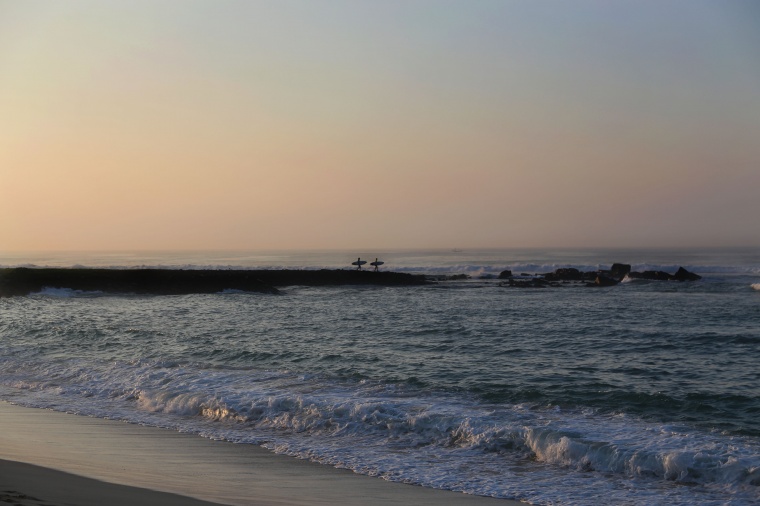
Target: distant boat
376	264
359	262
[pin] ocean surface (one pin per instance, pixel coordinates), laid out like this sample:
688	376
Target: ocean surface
647	392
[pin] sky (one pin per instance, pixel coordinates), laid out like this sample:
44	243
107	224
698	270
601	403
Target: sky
284	124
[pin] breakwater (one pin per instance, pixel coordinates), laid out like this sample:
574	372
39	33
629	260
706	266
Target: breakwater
23	281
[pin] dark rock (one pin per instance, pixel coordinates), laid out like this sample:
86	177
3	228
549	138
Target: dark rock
602	280
505	274
652	275
564	274
619	271
684	275
588	276
681	275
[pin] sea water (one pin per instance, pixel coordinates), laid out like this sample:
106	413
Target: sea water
647	392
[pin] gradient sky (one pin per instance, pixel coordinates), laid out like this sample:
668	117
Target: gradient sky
390	124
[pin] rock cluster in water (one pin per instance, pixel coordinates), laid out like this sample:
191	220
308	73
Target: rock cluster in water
601	278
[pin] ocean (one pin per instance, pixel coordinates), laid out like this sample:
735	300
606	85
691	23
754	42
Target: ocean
647	392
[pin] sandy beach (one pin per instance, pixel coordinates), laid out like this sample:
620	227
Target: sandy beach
52	458
27	485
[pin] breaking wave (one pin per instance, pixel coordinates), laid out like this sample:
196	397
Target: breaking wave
66	292
385	429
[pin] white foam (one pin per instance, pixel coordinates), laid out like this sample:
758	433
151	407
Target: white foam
756	286
50	291
388	430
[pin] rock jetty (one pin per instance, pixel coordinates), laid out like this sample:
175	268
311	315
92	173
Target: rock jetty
23	281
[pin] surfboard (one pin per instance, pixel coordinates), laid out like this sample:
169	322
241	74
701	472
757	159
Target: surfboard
376	263
359	262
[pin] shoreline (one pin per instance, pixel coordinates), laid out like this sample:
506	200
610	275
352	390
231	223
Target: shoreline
154	464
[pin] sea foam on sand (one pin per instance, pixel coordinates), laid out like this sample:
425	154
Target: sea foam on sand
168	461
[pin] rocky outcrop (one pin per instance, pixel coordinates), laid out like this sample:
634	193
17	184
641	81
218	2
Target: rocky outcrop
569	276
651	275
564	274
619	271
684	275
505	274
680	275
602	280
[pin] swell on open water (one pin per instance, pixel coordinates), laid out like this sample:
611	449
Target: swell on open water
643	393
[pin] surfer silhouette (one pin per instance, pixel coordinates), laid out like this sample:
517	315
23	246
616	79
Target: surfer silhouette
376	264
359	262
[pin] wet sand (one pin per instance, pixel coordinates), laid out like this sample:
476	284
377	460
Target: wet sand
27	485
83	461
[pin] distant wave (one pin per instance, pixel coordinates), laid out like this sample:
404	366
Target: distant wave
756	286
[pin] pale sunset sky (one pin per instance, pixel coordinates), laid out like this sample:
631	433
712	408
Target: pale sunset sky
183	124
